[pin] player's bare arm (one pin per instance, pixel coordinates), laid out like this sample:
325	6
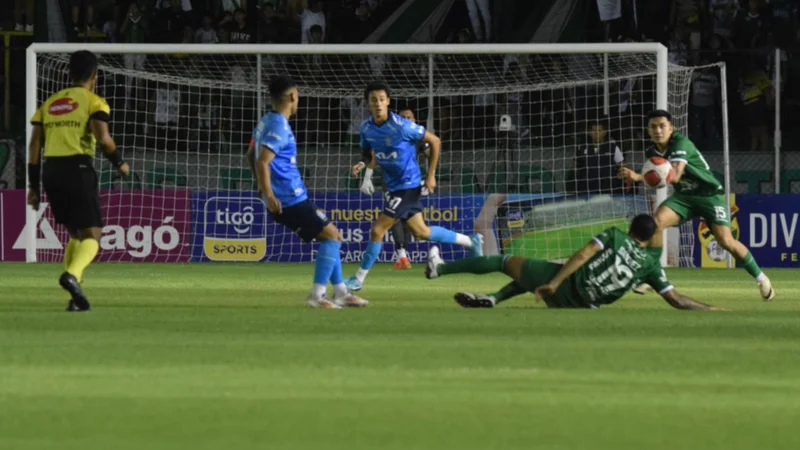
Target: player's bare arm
100	130
678	167
250	156
680	301
34	157
572	265
265	179
368	162
433	159
627	173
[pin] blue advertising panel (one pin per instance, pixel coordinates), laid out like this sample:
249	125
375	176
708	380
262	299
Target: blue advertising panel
769	228
234	226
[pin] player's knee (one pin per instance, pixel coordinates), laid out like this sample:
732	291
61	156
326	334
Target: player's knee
421	232
330	233
726	241
376	233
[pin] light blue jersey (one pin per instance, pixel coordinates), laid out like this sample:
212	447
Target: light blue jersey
395	145
275	133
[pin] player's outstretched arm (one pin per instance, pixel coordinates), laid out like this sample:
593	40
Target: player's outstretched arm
678	167
367	162
572	265
100	130
680	301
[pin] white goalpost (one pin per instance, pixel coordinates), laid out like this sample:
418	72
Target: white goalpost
511	117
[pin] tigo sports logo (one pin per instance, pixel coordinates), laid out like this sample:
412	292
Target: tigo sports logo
234	229
62	106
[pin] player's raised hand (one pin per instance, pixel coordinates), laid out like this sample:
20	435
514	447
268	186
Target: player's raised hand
545	292
125	169
274	205
430	184
34	199
626	173
358	168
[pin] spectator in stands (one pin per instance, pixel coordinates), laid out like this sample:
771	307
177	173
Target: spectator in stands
206	34
134	31
231	5
311	16
24	8
273	27
169	22
481	19
87	21
750	29
361	26
651	20
704	108
783	21
685	19
723	16
111	26
596	163
224	26
756	95
240	30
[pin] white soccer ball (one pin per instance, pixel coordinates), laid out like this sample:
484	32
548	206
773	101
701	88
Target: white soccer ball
657	172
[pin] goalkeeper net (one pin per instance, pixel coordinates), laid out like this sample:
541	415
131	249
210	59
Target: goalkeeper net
518	162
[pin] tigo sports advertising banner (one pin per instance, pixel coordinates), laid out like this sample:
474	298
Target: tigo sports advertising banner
140	225
767	224
235	226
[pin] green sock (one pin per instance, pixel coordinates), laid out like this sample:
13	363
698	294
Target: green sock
479	265
510	290
750	265
655	252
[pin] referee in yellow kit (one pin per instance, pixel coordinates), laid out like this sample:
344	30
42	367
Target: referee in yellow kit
69	125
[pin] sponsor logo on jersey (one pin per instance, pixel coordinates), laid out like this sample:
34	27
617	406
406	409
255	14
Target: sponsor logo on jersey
62	106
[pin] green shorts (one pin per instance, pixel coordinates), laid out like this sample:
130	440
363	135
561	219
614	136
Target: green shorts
711	208
538	272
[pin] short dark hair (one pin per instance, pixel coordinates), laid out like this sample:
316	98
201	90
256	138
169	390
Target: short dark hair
279	85
82	65
376	86
643	227
656	113
315	28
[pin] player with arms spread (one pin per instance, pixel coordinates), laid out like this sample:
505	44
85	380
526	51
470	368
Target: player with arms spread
599	274
390	141
273	159
70	124
697	194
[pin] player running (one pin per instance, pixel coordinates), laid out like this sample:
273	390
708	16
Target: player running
390	141
273	158
70	124
697	194
598	274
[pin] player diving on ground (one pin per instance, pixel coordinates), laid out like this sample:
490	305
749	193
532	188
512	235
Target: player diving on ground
599	274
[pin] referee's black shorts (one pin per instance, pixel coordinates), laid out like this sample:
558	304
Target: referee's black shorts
71	185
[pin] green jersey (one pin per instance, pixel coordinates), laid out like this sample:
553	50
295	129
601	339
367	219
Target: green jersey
620	265
697	178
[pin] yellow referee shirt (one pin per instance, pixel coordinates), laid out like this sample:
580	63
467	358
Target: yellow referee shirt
65	118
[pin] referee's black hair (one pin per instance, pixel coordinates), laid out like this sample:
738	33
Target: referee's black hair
643	227
82	65
376	86
278	86
656	113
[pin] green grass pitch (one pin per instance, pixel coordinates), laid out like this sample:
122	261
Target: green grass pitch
208	356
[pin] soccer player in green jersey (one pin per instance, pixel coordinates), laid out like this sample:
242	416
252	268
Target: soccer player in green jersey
697	194
600	273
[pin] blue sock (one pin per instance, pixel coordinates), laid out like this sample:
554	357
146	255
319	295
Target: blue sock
443	235
336	275
327	257
371	255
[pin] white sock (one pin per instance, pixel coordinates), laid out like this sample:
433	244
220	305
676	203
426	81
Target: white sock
340	290
761	277
361	275
463	240
402	253
318	291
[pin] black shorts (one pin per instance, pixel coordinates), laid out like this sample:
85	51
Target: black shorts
72	191
403	204
304	218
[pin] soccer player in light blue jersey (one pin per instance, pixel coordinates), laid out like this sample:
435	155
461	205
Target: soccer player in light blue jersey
273	159
390	141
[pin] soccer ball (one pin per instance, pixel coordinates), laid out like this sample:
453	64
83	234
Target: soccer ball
657	172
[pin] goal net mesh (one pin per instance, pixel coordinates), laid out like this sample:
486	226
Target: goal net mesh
518	163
